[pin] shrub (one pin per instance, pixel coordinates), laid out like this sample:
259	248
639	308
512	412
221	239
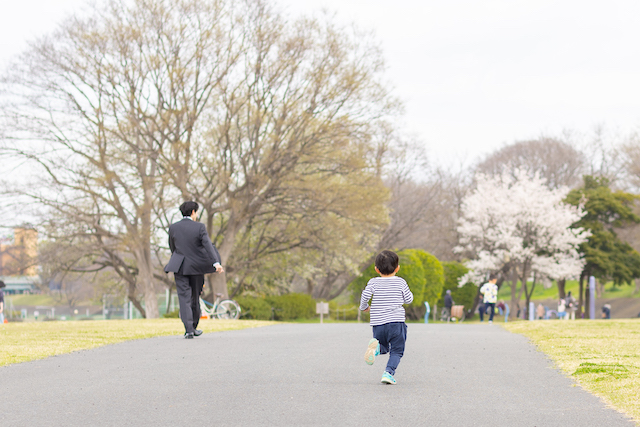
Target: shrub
172	314
412	270
254	308
422	271
292	306
465	295
357	286
434	273
343	311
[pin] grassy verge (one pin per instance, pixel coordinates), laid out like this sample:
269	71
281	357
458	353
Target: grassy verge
540	293
603	356
21	342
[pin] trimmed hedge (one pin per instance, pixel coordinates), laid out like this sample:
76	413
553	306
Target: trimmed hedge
422	271
292	306
254	308
434	273
465	295
280	307
345	311
172	314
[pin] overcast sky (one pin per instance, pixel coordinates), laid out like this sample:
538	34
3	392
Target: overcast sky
474	75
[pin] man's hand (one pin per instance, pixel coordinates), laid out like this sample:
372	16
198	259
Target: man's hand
219	269
367	309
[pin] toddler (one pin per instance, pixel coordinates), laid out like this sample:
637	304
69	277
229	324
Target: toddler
387	293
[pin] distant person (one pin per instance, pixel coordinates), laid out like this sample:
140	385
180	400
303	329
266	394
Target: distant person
571	306
448	303
562	309
489	293
606	311
192	256
2	285
387	294
540	311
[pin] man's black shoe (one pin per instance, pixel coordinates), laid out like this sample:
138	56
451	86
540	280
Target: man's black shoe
188	335
197	332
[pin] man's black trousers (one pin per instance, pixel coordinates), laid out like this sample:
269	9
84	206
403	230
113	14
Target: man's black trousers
189	289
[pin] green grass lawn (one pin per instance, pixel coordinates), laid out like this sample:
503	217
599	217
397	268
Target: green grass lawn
602	356
31	300
21	342
540	293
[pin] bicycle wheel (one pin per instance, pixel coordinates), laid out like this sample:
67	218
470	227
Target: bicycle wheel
228	309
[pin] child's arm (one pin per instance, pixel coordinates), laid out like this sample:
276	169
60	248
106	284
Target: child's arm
407	295
366	296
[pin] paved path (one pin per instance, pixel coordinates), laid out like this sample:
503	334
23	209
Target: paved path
296	375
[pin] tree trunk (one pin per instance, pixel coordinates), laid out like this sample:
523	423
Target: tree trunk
218	281
131	295
219	285
529	294
142	253
170	288
637	283
561	292
587	299
514	301
599	288
145	278
415	313
523	286
476	302
581	295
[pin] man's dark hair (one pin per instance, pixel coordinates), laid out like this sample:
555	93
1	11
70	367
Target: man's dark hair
187	207
387	262
2	285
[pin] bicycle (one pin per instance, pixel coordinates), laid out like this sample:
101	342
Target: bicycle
225	309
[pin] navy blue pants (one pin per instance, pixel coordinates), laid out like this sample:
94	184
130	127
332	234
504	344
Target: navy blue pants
488	306
391	337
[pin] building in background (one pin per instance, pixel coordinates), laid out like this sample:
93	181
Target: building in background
18	261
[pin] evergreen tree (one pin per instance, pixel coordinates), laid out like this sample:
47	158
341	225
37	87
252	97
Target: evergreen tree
607	256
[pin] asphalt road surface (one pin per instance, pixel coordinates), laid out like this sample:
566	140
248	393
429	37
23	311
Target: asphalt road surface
302	374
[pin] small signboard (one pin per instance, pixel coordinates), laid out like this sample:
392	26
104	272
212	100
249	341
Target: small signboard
322	308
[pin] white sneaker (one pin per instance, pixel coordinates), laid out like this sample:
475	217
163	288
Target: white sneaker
387	378
490	321
373	350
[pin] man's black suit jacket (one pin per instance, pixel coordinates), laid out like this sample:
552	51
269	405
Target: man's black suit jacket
192	252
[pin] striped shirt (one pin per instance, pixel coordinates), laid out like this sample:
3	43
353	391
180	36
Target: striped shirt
388	293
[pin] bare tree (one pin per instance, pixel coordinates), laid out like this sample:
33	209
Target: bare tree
604	156
553	159
94	106
270	124
285	165
423	207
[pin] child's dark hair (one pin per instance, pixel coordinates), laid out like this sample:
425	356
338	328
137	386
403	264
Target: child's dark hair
387	262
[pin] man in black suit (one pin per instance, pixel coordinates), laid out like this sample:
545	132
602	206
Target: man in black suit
192	256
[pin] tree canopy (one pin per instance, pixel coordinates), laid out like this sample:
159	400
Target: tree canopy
522	225
422	271
606	256
268	122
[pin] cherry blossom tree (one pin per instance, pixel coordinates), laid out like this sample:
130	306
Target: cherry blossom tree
515	222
